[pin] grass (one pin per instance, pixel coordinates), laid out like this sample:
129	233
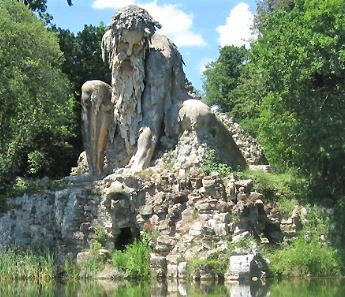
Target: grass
273	185
304	258
217	264
89	267
245	242
134	260
27	265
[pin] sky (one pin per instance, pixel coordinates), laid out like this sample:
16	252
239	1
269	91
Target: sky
199	28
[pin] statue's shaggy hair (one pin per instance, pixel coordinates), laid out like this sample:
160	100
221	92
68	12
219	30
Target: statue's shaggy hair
134	18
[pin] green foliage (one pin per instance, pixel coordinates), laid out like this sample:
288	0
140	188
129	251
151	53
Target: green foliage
266	7
28	186
245	242
36	116
340	218
27	289
290	88
101	236
300	55
221	77
40	6
273	184
134	260
305	258
318	220
286	206
212	163
82	62
219	290
83	56
71	269
216	264
135	290
89	267
27	265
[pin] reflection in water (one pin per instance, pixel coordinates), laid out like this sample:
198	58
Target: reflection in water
311	288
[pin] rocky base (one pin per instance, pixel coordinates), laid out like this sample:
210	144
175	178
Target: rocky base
188	218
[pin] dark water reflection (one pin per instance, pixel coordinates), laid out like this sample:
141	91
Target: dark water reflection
291	288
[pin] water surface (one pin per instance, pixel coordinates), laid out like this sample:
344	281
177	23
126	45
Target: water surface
290	288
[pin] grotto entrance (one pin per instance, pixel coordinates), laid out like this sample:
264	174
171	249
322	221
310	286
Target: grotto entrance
126	236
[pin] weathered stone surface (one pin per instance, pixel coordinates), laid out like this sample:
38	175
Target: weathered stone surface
158	265
108	272
182	270
245	267
82	256
172	271
97	117
252	151
247	184
69	219
49	218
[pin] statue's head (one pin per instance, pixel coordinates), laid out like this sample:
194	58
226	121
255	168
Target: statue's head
131	29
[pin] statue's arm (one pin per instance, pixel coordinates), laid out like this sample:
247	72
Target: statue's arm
97	116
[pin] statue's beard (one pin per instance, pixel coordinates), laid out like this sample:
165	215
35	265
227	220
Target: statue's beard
128	74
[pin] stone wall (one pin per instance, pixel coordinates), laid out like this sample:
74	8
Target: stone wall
188	217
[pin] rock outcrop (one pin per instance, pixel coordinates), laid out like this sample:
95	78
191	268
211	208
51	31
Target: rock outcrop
186	217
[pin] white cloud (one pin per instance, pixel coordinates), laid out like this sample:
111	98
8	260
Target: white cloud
203	63
237	29
100	4
176	23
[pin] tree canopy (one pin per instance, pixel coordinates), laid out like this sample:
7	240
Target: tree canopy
83	62
221	76
36	115
301	57
40	6
293	87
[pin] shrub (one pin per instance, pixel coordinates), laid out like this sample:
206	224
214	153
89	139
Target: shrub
212	163
217	263
305	258
134	260
287	184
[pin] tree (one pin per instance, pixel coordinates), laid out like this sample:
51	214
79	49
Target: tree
83	56
36	115
83	62
40	6
300	56
221	77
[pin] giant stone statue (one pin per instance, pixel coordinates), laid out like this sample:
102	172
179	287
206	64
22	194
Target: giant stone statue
123	123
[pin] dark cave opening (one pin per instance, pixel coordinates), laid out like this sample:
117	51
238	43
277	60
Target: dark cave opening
124	238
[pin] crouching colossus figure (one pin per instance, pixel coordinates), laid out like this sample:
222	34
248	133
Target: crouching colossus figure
124	121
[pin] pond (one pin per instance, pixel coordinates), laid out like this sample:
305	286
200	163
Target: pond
291	288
